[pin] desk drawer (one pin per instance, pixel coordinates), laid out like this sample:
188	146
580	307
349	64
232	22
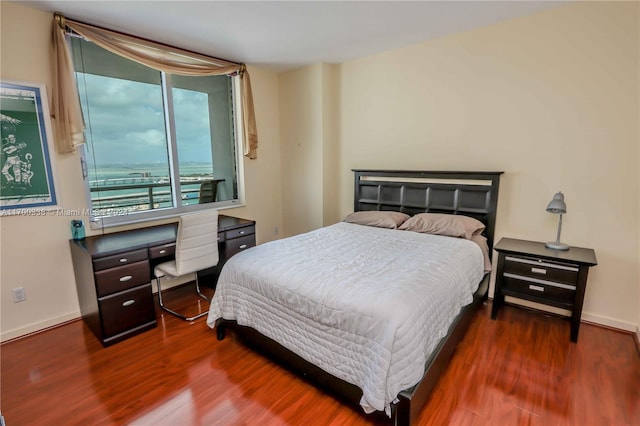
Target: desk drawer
162	251
126	310
237	245
119	260
541	269
539	288
122	278
240	232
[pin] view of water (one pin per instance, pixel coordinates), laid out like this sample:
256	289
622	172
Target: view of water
130	186
108	174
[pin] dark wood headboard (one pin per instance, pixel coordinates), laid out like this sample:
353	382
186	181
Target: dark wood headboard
473	194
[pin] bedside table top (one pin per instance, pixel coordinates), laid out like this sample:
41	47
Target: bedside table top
580	255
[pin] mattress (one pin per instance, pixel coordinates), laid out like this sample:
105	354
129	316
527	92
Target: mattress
367	305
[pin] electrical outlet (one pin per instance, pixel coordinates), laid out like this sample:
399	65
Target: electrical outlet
275	231
18	294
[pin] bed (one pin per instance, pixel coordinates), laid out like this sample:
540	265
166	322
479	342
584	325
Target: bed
370	313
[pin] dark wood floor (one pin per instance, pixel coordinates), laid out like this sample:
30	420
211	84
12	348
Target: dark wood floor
521	369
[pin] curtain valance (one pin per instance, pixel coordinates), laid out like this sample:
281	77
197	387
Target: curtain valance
66	105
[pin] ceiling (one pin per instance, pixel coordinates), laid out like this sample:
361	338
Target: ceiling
287	34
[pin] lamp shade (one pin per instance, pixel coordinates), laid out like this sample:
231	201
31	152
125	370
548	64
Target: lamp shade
557	205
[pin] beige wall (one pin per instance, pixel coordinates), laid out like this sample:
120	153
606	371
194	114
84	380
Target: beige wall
301	127
34	252
551	99
331	165
309	122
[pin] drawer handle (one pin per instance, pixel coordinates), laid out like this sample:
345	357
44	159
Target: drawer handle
218	238
536	288
539	271
123	259
128	302
162	251
125	278
241	232
242	247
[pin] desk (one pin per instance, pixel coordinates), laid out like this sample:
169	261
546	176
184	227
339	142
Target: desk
113	273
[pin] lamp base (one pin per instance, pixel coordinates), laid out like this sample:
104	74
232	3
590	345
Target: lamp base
557	246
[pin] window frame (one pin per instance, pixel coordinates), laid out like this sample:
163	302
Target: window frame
120	218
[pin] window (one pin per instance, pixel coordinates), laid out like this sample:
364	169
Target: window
157	144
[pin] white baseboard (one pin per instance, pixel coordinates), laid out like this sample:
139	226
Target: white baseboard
51	322
37	326
586	316
609	322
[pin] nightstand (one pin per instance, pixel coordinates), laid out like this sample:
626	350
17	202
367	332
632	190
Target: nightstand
530	271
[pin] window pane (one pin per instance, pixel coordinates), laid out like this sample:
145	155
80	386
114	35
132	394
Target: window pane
205	140
158	145
126	139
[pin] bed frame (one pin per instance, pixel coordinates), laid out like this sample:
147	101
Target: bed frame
472	194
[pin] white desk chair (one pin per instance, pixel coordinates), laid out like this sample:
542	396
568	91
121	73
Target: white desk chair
196	249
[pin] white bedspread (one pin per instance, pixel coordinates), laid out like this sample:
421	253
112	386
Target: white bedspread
367	305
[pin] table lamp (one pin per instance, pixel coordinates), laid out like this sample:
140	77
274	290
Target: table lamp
557	206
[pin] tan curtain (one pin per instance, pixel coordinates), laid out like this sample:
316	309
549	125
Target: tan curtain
65	103
172	61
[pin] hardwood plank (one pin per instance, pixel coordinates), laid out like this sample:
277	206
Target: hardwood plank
520	369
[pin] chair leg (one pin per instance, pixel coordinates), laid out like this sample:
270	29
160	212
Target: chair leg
164	308
198	289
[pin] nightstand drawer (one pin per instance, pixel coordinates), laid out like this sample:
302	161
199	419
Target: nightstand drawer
128	309
122	278
541	269
539	288
237	245
241	232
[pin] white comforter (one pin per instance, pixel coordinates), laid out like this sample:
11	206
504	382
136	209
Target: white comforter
367	305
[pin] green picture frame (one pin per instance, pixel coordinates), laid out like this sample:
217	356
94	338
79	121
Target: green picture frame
27	178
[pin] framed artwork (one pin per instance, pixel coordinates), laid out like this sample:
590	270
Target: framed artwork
27	178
